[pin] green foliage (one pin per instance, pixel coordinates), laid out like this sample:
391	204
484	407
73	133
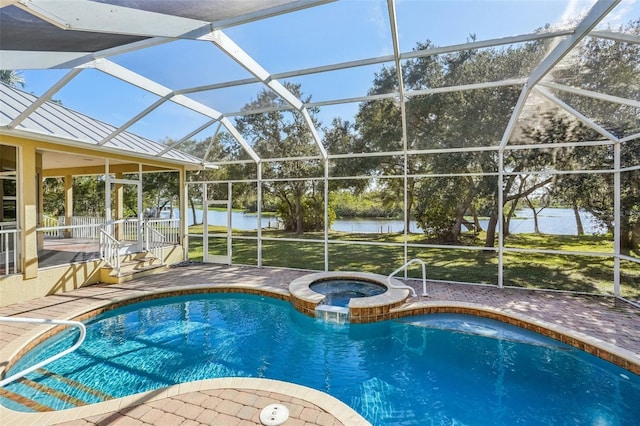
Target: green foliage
366	204
89	196
53	196
286	135
12	78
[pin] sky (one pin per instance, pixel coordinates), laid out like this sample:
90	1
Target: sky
337	32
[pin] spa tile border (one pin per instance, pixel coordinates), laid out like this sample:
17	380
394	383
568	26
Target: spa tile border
361	309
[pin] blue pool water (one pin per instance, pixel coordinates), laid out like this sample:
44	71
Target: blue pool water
437	369
338	292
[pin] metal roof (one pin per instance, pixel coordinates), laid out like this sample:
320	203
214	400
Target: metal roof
52	121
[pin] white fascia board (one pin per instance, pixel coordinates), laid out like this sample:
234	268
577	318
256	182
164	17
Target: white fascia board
591	94
84	15
595	15
4	3
30	60
544	92
36	60
44	97
118	50
44	137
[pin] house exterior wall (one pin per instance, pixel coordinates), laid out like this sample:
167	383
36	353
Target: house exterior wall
33	281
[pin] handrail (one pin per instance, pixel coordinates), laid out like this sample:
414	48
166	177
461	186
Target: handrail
79	325
405	266
154	242
110	250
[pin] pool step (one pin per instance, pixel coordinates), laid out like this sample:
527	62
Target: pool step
86	389
52	392
36	406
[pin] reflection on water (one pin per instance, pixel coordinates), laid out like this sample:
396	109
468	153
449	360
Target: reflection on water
550	221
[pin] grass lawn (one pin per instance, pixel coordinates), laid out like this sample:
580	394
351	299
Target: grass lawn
593	274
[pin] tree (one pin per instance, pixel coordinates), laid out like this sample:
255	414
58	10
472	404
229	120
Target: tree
610	67
12	78
471	118
284	135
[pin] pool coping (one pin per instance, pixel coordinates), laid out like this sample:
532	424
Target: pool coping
338	409
607	351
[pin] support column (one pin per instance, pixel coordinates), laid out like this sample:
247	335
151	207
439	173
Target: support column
29	190
39	200
68	204
184	229
119	207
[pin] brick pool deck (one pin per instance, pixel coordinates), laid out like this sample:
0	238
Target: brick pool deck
605	326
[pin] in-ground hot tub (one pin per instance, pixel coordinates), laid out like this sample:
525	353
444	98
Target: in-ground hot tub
355	296
340	291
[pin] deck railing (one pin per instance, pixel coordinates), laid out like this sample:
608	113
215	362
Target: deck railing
110	249
154	242
8	251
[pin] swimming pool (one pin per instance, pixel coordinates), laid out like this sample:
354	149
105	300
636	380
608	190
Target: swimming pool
412	371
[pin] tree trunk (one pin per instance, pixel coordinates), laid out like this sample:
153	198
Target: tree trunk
409	206
536	227
507	220
299	221
576	214
629	236
193	210
490	241
476	220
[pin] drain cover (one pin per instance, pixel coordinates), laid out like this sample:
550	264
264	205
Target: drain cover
274	415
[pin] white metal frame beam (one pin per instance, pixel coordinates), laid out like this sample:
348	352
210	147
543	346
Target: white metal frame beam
44	97
229	47
595	15
165	93
544	92
83	15
616	36
590	94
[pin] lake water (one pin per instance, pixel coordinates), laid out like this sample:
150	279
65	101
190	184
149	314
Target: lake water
550	221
